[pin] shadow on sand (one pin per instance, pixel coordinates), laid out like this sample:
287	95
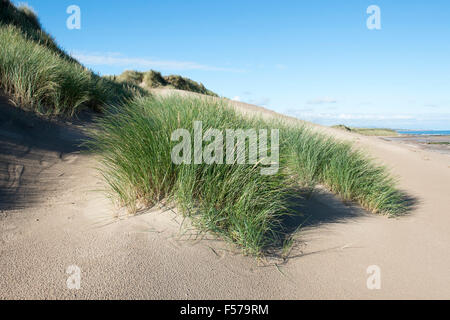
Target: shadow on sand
311	209
29	145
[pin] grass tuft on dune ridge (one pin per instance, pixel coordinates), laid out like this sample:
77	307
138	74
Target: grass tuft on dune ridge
26	20
368	131
233	201
38	79
37	75
154	79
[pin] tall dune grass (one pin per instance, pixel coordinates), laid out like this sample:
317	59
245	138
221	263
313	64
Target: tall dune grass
39	79
26	20
318	159
38	75
234	201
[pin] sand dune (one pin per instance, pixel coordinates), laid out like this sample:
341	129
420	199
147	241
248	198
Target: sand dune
51	217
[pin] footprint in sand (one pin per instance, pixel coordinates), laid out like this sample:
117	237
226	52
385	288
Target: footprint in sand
8	233
45	164
15	172
69	158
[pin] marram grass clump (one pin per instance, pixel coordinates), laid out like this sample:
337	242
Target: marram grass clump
234	201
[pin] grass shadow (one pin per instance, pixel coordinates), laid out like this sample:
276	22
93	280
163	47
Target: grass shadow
312	209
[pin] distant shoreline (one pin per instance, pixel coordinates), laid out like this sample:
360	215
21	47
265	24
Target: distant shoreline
432	140
436	143
391	132
425	132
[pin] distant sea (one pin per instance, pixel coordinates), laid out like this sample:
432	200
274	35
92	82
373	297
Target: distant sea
425	132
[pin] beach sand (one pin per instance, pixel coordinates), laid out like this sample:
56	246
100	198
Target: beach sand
52	216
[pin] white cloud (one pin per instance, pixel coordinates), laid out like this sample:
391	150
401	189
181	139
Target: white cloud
260	102
116	59
438	121
349	116
237	98
323	100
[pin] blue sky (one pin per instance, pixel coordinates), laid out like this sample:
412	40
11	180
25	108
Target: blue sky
314	59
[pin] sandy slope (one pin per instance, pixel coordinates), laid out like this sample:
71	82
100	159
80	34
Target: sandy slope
51	217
